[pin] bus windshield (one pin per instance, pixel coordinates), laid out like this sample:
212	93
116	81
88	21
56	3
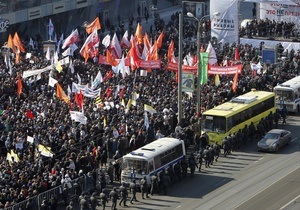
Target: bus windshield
215	124
135	166
284	95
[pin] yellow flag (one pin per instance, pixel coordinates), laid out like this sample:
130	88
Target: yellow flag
123	102
217	80
8	158
58	67
104	122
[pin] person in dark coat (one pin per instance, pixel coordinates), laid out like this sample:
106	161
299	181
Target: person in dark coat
94	202
124	194
154	184
103	199
144	188
113	196
133	190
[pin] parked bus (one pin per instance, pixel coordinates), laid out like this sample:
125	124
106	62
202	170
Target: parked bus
152	158
288	94
233	115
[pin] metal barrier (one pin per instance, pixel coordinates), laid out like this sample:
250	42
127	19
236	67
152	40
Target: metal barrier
56	192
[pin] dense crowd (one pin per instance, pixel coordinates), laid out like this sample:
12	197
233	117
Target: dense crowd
81	149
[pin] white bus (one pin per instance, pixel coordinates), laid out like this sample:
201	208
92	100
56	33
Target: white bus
288	94
151	158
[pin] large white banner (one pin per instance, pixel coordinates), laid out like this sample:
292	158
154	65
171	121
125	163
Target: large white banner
225	26
280	12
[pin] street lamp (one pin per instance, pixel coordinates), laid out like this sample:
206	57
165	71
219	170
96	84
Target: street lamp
189	14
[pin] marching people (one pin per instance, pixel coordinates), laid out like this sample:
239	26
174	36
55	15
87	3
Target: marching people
124	194
154	184
113	196
133	190
103	199
144	187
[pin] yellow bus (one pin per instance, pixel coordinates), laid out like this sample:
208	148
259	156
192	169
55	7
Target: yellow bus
233	115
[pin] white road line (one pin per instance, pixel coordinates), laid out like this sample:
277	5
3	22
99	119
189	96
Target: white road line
178	207
259	159
292	201
294	139
266	187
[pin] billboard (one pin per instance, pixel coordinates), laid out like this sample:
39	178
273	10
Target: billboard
268	56
196	8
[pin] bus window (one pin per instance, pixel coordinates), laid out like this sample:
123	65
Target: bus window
287	96
135	166
215	124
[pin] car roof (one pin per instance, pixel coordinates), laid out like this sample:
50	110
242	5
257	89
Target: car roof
277	131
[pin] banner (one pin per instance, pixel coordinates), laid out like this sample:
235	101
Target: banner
224	70
225	26
280	12
188	81
196	8
31	73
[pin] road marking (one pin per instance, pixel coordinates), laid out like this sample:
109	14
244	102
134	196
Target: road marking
266	188
294	139
259	159
178	207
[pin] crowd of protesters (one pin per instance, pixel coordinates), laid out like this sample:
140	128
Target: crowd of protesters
269	28
81	149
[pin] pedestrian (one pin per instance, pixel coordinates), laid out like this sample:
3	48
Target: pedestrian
192	164
113	196
133	190
166	182
284	113
103	199
184	166
124	194
110	172
70	206
144	187
83	203
94	202
154	184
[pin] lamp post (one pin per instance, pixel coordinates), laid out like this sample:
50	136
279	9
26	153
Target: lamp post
189	14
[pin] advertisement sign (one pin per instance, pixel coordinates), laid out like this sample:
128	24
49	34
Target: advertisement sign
225	26
196	8
280	12
188	81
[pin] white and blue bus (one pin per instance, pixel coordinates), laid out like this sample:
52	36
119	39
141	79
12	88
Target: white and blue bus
288	94
152	158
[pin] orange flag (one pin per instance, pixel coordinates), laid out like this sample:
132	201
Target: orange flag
171	51
85	53
61	94
95	24
134	59
235	81
10	44
146	41
17	42
154	54
20	86
110	58
18	57
160	40
139	34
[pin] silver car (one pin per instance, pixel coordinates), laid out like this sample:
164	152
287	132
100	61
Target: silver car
274	139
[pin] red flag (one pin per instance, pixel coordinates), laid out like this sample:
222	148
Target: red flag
122	92
11	44
146	41
29	114
153	51
72	38
160	40
79	99
237	54
107	93
108	75
89	46
235	81
20	85
93	25
202	49
134	59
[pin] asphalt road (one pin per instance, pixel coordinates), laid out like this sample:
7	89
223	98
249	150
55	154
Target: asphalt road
245	180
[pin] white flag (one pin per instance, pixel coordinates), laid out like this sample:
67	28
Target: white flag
143	73
97	80
48	54
79	79
30	139
106	41
52	81
31	43
211	54
71	66
146	120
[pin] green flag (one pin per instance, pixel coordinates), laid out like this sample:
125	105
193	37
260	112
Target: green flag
204	63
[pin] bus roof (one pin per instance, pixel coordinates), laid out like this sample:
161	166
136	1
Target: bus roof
239	103
292	84
154	148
